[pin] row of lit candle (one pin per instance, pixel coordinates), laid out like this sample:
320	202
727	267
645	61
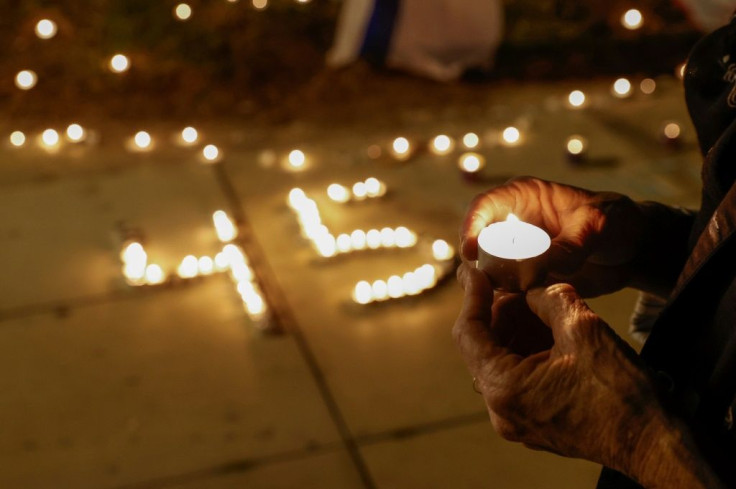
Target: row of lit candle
138	271
411	283
141	141
371	188
329	245
396	287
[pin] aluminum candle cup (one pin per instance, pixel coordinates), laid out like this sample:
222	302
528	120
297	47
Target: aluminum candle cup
513	254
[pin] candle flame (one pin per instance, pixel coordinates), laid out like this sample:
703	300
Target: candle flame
512	218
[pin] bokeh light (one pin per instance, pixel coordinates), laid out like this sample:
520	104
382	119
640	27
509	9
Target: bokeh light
142	140
576	145
119	63
511	136
632	19
182	11
50	138
46	29
621	88
211	153
75	133
26	79
189	135
17	139
576	98
648	86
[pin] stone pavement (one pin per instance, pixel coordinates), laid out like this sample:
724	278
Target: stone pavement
173	386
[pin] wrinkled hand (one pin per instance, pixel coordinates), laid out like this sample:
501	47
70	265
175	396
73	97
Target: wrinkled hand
553	375
595	235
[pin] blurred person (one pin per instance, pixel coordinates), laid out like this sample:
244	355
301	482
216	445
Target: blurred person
554	375
437	39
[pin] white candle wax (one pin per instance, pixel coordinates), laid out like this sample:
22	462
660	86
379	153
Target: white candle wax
513	239
512	254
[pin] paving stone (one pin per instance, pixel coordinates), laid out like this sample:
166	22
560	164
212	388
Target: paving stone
169	383
327	471
470	457
60	240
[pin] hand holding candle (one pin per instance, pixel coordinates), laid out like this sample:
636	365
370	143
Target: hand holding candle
512	253
594	237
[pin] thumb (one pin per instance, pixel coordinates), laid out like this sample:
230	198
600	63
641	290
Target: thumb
561	308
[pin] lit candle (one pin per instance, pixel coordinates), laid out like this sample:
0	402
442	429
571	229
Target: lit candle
512	254
672	134
576	148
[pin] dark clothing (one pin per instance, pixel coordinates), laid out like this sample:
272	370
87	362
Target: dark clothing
692	347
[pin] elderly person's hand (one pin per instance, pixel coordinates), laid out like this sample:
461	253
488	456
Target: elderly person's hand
555	377
601	241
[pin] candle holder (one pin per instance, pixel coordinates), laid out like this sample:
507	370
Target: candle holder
513	275
513	254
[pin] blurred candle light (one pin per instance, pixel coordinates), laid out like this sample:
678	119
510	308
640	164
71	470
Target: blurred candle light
205	265
297	159
154	274
510	136
671	134
338	193
441	145
26	79
363	293
189	135
442	251
380	290
224	226
373	239
388	238
182	11
576	148
50	138
672	130
576	99
132	251
75	133
404	238
374	187
142	140
46	29
134	263
621	88
395	287
411	284
648	86
632	19
326	245
344	243
471	140
119	63
260	4
189	267
471	162
17	139
211	153
401	147
221	262
358	239
360	192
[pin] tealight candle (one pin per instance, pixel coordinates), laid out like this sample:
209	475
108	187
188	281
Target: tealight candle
513	254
